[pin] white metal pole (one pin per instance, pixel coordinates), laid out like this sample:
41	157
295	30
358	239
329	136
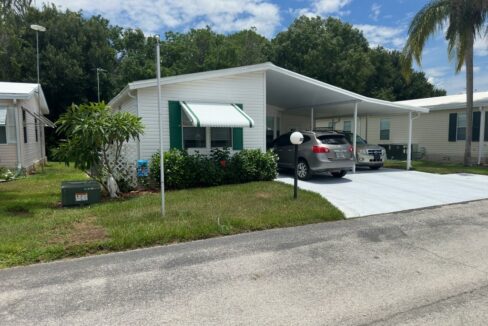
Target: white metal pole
39	102
311	119
481	143
161	153
409	149
98	85
354	137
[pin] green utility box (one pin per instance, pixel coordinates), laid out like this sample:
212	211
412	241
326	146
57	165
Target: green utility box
74	193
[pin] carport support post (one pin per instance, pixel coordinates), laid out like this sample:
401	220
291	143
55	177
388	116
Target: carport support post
311	119
354	138
481	142
295	181
409	149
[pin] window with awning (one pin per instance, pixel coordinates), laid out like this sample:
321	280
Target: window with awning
216	115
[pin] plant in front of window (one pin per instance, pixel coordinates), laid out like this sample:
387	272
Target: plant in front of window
94	140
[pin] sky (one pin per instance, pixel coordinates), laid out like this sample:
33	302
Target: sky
383	22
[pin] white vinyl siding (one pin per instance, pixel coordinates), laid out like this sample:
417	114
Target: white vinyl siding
247	89
31	150
131	148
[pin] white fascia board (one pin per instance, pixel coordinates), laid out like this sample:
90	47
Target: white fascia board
202	75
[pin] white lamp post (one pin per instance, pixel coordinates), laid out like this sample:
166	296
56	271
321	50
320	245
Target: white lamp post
39	28
98	81
296	139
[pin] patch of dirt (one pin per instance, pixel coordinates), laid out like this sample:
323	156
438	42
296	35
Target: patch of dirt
264	195
82	232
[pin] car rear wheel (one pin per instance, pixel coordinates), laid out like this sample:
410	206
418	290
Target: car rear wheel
339	174
303	171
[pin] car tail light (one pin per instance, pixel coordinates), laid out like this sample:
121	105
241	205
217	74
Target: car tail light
350	149
320	149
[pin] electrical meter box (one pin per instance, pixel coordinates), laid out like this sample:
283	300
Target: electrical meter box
76	193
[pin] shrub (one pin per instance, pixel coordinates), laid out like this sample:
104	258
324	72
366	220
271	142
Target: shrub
183	170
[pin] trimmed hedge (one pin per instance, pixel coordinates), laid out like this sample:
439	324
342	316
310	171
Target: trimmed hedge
182	170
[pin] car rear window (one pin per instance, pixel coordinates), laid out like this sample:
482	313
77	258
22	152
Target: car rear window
333	139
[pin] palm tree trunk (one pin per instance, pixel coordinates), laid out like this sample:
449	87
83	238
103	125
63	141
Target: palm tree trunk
469	98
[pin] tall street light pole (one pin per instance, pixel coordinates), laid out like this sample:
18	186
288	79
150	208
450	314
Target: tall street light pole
98	81
39	28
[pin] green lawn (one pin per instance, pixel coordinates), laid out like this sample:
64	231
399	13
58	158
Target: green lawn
440	168
33	228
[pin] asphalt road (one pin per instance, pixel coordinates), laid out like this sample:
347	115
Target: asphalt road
426	267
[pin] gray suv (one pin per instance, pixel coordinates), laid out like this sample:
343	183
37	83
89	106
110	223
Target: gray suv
326	151
372	156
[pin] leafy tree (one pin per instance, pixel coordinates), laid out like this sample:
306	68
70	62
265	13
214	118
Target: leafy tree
328	50
464	21
95	136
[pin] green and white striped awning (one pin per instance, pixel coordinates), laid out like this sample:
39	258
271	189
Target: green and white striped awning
216	115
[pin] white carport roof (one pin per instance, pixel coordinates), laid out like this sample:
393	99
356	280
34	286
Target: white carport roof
449	102
22	91
291	91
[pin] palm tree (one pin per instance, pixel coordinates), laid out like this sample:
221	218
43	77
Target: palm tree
462	21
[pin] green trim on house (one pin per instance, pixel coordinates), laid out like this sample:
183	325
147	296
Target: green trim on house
238	135
175	132
187	107
243	114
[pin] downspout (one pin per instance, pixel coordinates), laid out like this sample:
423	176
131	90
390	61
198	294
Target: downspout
18	142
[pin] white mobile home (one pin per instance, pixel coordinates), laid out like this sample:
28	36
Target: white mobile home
22	121
239	108
437	136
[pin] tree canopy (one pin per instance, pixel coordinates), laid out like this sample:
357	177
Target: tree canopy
75	45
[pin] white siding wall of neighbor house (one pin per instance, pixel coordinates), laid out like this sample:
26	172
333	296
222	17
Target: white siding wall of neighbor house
8	152
131	149
247	89
430	131
31	151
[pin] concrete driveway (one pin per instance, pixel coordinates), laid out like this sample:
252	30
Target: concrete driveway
388	190
427	267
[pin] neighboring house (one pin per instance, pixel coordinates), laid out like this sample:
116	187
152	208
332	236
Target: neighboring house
238	108
22	121
437	136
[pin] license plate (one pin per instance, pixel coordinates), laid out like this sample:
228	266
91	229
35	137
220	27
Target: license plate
81	196
340	155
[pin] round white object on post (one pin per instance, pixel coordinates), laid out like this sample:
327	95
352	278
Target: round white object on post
296	138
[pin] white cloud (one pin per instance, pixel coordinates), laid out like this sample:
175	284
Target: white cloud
388	37
325	8
155	15
481	46
375	11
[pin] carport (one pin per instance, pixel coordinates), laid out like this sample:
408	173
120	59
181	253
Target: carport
300	100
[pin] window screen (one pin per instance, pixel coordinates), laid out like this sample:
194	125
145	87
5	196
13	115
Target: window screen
194	137
384	129
221	137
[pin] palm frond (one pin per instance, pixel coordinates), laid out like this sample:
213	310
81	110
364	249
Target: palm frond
426	23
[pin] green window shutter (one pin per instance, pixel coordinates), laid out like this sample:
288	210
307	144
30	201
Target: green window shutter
238	135
452	126
476	126
175	134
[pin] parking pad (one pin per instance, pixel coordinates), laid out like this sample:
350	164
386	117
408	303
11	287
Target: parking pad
389	190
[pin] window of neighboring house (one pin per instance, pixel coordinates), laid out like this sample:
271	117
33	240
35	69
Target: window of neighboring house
385	129
36	129
8	131
3	125
221	137
461	126
347	126
24	124
193	137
